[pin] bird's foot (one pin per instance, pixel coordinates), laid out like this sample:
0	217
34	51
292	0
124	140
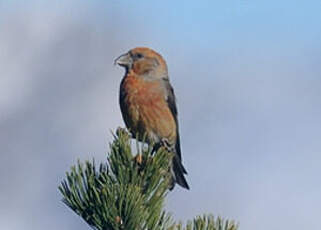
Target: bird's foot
165	143
138	159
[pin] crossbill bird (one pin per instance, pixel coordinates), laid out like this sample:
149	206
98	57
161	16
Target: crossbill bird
148	105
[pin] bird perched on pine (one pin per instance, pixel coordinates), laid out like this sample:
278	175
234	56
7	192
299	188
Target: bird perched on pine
148	105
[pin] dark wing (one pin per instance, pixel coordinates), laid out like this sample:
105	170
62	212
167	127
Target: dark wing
171	101
178	167
123	105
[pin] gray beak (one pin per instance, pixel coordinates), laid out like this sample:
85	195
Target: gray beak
124	60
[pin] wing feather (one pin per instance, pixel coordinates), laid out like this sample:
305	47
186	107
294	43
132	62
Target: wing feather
171	101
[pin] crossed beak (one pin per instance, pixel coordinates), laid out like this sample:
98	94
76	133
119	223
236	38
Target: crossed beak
124	60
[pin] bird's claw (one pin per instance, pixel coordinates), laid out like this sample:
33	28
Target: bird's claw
165	143
138	159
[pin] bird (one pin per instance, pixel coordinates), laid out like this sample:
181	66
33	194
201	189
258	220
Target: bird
148	105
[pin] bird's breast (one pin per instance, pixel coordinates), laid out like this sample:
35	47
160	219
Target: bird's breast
145	109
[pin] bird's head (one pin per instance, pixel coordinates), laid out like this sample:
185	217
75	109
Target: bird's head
144	62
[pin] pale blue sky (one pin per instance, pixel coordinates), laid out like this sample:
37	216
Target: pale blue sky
247	77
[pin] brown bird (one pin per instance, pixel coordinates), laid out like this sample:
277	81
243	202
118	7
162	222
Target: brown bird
148	105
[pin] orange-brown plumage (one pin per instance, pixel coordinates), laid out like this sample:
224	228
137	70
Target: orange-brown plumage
148	104
148	114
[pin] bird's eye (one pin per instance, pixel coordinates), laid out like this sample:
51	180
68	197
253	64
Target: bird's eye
138	56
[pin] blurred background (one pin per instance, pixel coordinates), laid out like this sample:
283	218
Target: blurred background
247	77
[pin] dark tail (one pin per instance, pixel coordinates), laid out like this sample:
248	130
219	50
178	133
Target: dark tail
178	172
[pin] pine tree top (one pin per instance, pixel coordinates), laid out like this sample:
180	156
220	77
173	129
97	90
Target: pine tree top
128	192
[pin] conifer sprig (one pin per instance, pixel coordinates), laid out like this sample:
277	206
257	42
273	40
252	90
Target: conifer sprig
128	192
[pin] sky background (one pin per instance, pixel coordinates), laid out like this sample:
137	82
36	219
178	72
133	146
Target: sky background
247	77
